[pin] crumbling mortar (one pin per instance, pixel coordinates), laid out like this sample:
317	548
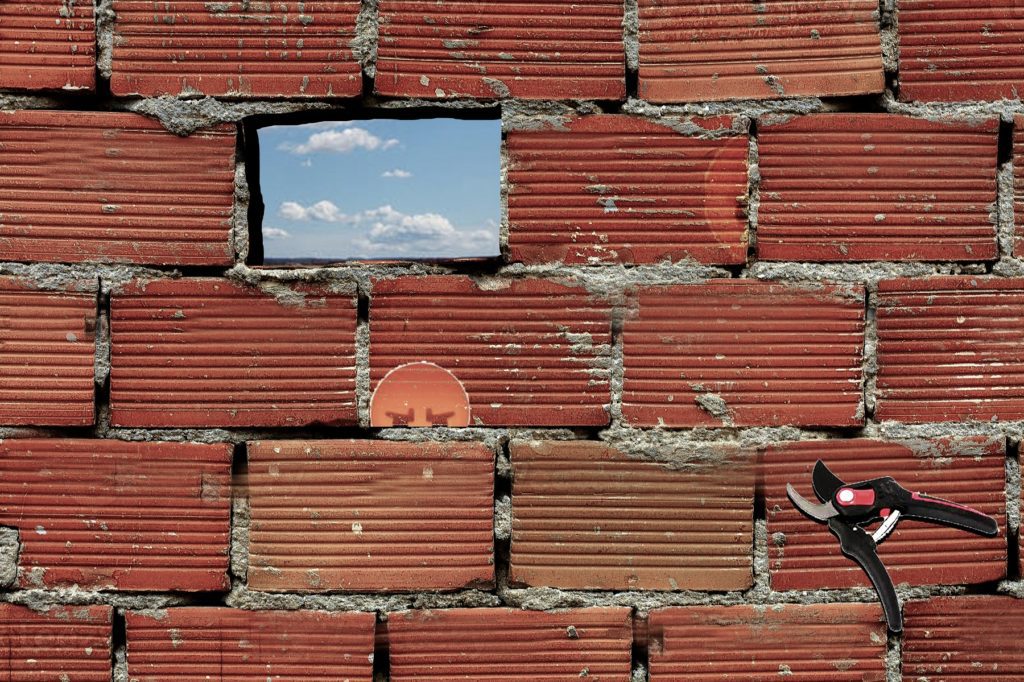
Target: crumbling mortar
891	430
504	189
966	112
10	552
1003	209
42	600
241	597
869	360
364	45
753	193
1013	495
534	115
120	670
240	212
868	274
240	524
775	111
894	658
105	16
889	33
363	391
105	278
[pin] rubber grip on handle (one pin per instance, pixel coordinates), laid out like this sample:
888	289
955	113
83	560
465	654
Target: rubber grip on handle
857	544
948	513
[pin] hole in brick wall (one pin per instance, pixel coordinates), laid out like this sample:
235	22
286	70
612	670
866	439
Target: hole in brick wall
377	189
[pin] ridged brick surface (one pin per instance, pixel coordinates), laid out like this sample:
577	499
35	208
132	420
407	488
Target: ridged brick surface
804	555
745	353
207	352
47	45
949	349
841	642
57	643
115	514
128	206
586	516
848	187
370	516
47	355
237	48
960	50
963	639
539	49
507	645
207	643
750	50
526	351
623	189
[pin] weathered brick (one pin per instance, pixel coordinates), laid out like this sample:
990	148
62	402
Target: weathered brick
370	515
855	187
954	50
744	353
56	643
108	187
272	49
492	645
627	190
758	50
963	639
47	355
536	49
841	642
47	45
226	644
586	516
208	352
949	349
804	555
528	352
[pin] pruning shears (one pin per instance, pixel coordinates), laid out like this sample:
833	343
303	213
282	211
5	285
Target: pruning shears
846	507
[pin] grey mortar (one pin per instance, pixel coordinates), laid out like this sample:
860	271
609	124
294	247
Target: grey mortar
10	102
41	600
1009	267
639	674
84	278
1003	210
866	273
503	518
185	116
101	362
503	190
240	524
240	212
967	112
10	551
897	431
760	566
364	45
105	18
776	110
363	392
888	30
530	115
120	671
894	659
242	598
753	190
869	360
1013	494
631	35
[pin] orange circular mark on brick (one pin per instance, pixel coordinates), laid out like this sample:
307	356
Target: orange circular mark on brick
419	394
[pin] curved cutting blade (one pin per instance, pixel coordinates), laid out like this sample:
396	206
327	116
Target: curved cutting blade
824	482
819	512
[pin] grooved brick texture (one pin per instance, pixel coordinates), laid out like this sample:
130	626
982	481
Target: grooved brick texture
47	355
949	349
208	352
586	516
691	52
849	187
963	639
840	642
960	50
528	352
208	643
236	48
58	643
804	555
744	353
534	49
108	187
370	516
507	645
109	514
623	189
47	45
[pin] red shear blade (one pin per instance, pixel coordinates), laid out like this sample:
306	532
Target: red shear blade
821	512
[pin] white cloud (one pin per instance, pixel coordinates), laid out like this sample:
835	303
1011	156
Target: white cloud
290	210
340	141
307	163
397	173
275	233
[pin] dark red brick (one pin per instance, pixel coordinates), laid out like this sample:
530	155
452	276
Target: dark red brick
208	352
744	353
858	187
541	49
47	45
56	643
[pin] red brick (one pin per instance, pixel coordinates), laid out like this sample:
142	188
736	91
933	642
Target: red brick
47	45
227	644
586	516
528	352
208	352
289	48
546	49
47	355
1018	185
856	187
804	555
960	50
839	642
56	643
370	515
507	645
626	190
744	352
120	210
963	639
747	50
949	349
105	514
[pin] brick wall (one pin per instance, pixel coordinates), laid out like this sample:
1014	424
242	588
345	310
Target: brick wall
737	237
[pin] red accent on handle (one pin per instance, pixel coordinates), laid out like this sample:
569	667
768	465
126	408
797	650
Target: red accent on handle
947	503
849	497
885	513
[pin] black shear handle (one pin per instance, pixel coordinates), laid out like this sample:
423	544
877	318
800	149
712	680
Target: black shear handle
858	545
936	510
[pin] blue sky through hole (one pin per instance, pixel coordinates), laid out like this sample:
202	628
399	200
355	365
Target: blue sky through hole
339	190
